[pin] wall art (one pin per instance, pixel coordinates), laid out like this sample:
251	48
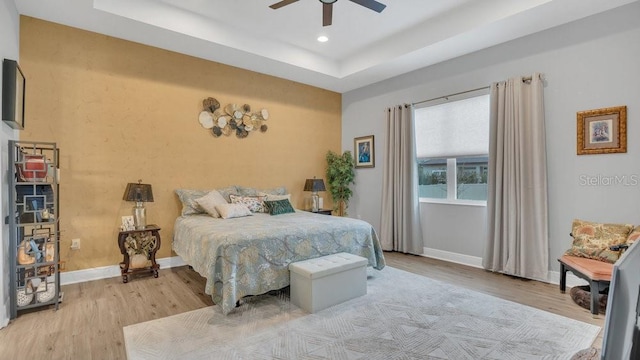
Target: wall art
364	151
602	131
232	119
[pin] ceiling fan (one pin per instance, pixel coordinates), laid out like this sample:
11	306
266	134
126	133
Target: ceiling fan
327	7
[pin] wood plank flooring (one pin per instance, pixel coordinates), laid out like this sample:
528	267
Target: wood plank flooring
88	324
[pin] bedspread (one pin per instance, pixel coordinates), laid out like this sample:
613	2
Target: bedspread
250	255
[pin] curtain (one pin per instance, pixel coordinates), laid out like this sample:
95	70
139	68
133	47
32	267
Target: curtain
517	210
400	224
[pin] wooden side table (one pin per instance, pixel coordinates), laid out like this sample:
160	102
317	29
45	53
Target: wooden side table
139	249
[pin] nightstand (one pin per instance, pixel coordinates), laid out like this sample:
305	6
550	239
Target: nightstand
139	249
322	211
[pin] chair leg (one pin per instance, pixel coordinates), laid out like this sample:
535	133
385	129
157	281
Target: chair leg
595	293
563	278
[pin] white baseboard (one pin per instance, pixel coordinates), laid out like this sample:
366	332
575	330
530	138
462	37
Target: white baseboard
474	261
104	272
462	259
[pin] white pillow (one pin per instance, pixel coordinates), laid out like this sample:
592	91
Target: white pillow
228	211
272	197
209	202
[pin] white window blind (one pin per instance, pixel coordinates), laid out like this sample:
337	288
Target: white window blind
453	129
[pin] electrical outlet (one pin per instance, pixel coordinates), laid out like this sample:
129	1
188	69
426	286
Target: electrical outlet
75	244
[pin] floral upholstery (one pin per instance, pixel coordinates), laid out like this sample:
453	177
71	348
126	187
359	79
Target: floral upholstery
592	240
635	235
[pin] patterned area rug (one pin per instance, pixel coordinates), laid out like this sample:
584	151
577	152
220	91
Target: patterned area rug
403	316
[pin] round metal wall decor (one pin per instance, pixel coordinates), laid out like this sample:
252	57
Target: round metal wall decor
232	119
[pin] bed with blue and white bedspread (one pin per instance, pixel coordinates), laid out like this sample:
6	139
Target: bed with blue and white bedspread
250	255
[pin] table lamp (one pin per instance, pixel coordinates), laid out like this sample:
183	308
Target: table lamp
314	185
140	193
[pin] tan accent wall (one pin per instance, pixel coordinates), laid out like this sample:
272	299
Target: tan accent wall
121	111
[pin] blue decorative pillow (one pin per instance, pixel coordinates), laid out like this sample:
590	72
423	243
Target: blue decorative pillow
278	207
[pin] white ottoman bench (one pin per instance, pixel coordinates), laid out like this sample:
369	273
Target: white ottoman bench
319	283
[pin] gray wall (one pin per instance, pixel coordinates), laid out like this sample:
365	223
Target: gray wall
9	48
588	64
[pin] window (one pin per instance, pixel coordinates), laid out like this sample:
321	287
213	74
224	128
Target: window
452	143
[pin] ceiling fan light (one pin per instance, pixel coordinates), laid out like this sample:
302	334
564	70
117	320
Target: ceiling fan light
328	1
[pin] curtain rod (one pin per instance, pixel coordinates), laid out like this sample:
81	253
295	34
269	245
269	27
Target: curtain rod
446	96
524	79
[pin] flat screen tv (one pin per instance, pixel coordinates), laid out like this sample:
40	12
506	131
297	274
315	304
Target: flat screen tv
621	340
13	91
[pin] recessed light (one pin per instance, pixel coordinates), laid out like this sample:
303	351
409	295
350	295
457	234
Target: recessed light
323	38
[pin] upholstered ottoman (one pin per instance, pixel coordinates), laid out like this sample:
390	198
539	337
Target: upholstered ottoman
319	283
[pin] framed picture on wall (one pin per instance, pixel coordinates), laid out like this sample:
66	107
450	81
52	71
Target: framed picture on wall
364	152
602	131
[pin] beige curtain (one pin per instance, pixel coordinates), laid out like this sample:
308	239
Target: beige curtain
400	223
517	211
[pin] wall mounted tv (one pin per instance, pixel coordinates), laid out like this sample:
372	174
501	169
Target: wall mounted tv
13	91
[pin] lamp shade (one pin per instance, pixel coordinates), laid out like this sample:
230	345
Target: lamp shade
138	192
314	185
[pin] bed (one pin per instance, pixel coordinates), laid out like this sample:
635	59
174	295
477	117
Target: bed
250	255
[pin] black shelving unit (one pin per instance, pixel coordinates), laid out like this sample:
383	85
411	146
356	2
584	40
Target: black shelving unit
34	219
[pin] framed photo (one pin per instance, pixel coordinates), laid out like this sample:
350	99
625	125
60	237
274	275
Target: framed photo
364	152
128	223
602	131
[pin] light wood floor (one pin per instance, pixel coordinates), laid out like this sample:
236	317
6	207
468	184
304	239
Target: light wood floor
88	324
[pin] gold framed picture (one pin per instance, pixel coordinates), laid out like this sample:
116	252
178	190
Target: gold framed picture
364	152
602	131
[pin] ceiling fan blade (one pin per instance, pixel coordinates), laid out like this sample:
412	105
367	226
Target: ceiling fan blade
282	3
371	4
327	14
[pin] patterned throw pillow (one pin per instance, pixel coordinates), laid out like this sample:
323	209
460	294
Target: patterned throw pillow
254	203
592	240
278	207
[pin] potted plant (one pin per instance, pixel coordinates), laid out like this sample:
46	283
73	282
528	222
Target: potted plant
340	174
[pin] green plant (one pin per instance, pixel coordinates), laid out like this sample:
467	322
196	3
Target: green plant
340	174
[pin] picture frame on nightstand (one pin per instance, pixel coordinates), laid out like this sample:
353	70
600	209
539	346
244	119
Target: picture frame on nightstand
128	223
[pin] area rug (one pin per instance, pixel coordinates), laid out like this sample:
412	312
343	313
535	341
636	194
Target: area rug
403	316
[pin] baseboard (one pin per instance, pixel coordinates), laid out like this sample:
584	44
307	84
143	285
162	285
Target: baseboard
104	272
474	261
462	259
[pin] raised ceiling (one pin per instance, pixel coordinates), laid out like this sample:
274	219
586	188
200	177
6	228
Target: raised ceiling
364	47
